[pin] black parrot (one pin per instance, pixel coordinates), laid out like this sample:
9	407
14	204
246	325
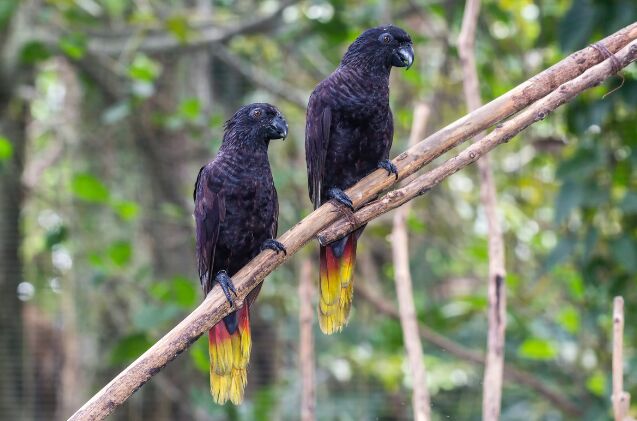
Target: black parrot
236	214
348	135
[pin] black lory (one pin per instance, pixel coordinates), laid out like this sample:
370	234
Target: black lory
348	135
236	213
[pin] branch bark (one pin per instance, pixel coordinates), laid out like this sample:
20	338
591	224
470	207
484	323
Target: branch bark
306	342
215	306
512	374
496	287
620	398
400	247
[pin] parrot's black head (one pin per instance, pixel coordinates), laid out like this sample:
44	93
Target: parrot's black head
385	47
255	124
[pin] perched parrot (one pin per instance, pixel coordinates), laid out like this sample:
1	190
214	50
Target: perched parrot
236	214
348	134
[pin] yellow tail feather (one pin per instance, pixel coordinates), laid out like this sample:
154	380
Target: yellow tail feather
336	284
229	358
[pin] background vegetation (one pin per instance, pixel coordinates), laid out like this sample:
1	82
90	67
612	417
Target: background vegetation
109	107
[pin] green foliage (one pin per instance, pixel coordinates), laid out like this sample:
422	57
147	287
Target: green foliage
129	348
6	149
89	188
537	349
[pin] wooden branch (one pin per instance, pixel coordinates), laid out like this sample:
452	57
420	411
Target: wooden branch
163	42
502	133
408	320
496	290
306	342
215	306
620	398
511	374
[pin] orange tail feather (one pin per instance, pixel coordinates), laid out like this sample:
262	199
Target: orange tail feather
336	283
229	357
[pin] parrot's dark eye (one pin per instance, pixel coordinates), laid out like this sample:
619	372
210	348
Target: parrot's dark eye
256	113
386	38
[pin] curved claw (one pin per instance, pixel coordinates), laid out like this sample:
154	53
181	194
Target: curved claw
386	164
275	245
226	285
340	196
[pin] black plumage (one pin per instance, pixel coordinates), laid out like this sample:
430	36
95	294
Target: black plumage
349	132
236	213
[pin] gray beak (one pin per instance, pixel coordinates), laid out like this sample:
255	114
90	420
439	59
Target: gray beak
278	128
406	55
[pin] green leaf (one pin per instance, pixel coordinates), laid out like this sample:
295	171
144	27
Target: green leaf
178	26
115	8
73	45
55	236
34	52
87	187
6	149
561	252
537	349
120	253
127	211
199	354
569	319
144	69
597	384
129	348
190	108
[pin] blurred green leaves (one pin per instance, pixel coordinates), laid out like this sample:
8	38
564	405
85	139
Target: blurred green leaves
129	348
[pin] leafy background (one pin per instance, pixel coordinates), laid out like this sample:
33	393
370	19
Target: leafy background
99	151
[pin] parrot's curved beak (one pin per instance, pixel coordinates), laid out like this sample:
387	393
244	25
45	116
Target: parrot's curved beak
278	128
404	56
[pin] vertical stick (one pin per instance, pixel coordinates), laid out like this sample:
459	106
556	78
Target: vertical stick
408	320
306	343
620	398
492	393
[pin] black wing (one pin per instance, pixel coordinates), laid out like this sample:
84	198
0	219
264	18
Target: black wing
210	212
317	138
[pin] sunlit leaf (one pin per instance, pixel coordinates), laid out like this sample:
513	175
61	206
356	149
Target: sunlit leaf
73	45
120	253
537	349
597	384
87	187
6	149
178	26
568	317
190	108
144	69
126	210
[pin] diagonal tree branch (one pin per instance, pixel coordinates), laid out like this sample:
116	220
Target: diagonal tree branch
215	306
496	289
512	374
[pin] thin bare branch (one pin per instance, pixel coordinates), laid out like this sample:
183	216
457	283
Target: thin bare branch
620	398
215	306
492	383
408	321
306	342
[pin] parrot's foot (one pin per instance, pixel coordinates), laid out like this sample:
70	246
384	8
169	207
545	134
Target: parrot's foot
275	245
386	164
227	287
340	197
